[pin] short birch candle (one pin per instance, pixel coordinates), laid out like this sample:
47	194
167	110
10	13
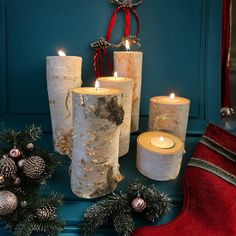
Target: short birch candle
129	64
126	86
169	114
97	116
159	155
63	74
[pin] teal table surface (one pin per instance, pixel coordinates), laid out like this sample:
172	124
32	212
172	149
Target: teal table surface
74	207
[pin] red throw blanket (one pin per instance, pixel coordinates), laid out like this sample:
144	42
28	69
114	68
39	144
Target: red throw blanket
209	190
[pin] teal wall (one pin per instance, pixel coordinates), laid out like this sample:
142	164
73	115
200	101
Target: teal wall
180	40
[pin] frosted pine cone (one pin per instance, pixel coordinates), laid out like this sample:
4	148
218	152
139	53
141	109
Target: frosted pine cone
33	167
46	213
7	167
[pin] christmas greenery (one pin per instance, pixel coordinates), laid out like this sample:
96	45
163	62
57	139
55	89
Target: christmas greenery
120	208
24	167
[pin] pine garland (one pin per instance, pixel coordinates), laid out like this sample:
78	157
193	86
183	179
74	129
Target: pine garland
120	209
33	213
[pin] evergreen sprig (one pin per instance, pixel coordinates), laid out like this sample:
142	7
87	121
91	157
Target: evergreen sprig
24	221
118	209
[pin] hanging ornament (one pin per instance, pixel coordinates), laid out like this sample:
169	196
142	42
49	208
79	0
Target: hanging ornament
8	203
16	181
33	167
8	167
21	163
30	146
14	152
139	204
46	213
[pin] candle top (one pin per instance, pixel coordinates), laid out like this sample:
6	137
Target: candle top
115	79
63	58
148	139
128	52
97	92
171	100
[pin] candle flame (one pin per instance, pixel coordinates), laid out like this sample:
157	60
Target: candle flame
115	75
61	53
127	46
161	139
172	96
97	85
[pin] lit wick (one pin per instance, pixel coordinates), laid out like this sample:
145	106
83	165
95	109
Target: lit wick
96	85
172	96
61	53
127	45
115	75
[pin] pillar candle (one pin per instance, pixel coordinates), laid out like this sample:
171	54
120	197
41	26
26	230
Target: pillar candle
159	155
169	114
126	86
63	74
129	64
97	116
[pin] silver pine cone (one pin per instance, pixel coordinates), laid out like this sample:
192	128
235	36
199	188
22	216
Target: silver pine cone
7	167
33	167
46	213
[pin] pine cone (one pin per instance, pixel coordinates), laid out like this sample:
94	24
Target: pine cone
33	167
7	167
46	213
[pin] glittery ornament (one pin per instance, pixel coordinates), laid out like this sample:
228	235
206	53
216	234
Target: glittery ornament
33	167
7	167
30	146
21	163
17	181
46	213
8	203
139	204
14	153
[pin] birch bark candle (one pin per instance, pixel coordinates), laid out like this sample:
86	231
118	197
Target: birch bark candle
126	86
169	114
63	74
97	116
159	155
129	64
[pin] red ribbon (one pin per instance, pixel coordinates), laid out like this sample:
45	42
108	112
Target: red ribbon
98	55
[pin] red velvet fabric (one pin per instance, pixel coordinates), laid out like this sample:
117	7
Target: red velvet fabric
209	201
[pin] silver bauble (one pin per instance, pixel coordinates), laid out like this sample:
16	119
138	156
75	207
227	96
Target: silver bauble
8	203
139	204
33	167
14	153
21	163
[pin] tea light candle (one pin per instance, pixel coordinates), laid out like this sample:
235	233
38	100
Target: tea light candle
126	86
129	64
162	142
159	155
97	116
169	114
63	74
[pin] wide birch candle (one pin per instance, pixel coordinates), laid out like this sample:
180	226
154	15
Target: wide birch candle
126	86
63	74
169	114
97	116
159	155
129	64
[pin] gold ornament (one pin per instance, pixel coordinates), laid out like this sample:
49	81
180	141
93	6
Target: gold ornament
8	203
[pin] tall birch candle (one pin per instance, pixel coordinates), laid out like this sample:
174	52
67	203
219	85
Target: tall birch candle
159	155
97	116
169	114
63	74
129	64
126	86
